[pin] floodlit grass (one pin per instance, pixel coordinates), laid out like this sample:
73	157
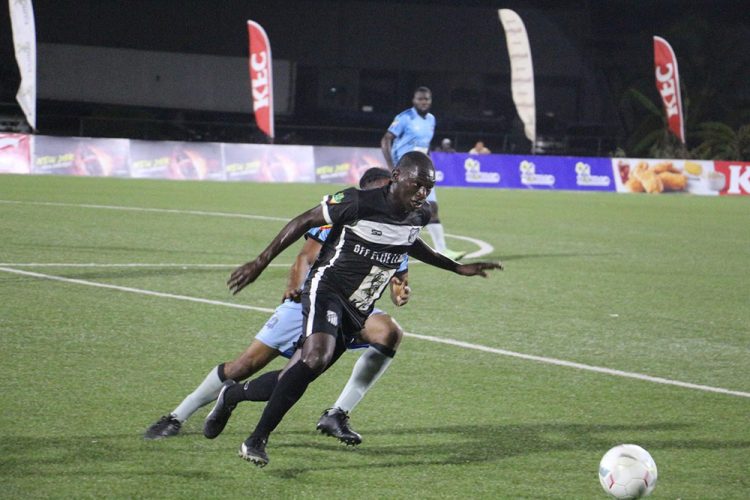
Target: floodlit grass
656	285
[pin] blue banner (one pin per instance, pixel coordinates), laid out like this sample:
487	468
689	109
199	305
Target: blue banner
524	172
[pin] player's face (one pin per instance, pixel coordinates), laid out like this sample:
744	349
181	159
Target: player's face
422	101
412	186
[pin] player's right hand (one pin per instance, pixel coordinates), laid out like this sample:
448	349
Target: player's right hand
244	275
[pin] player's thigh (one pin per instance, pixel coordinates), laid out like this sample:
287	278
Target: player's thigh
283	328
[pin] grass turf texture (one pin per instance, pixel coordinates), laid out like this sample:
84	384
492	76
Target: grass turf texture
650	284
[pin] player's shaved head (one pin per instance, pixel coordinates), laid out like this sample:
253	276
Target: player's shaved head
417	162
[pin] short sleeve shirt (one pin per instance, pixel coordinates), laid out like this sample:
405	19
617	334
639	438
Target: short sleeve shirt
366	246
413	133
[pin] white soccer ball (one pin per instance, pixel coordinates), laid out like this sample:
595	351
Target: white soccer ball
627	471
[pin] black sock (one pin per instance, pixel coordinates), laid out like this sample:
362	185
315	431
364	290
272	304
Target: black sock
220	372
258	389
288	391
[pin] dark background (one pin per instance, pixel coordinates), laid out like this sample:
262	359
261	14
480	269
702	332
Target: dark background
350	54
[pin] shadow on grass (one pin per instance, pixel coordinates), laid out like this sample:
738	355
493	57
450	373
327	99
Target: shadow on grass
421	446
455	445
552	256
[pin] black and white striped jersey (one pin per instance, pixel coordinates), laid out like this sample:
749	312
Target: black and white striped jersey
366	245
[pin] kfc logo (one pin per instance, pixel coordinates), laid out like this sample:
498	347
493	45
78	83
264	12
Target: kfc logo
737	177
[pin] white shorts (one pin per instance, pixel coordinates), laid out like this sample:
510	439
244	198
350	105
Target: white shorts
284	327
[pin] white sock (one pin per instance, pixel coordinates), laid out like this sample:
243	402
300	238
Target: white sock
202	395
367	370
438	236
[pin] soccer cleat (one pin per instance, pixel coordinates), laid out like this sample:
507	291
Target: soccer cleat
166	426
217	419
253	449
454	254
335	423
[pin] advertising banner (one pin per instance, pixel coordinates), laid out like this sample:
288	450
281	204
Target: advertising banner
266	163
521	70
80	156
634	175
524	172
734	175
261	77
668	85
345	165
24	42
176	160
15	153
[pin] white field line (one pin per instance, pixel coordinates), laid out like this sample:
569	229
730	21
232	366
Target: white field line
452	342
129	265
134	290
141	209
484	247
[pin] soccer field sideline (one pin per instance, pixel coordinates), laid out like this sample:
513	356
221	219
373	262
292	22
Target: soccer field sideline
429	338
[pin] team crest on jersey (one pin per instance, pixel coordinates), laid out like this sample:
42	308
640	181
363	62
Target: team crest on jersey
333	318
413	234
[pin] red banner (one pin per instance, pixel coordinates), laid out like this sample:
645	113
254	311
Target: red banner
261	80
668	85
735	177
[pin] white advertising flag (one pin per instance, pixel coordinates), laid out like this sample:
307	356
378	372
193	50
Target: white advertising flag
24	42
521	70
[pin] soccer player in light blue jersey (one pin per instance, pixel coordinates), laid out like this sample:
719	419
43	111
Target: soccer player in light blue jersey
412	130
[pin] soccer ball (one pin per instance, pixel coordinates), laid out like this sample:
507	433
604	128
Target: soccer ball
627	471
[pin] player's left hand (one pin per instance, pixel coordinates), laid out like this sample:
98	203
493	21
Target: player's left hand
293	294
400	291
478	268
244	275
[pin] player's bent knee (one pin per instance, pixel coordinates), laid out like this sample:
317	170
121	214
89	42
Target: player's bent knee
384	330
317	351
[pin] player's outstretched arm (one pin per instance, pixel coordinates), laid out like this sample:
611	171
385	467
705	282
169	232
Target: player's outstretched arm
249	272
422	251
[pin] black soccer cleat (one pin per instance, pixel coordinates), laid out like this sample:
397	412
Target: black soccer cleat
219	416
253	449
166	426
335	423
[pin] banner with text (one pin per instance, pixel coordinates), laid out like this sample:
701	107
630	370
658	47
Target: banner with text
261	77
345	165
267	163
38	154
524	172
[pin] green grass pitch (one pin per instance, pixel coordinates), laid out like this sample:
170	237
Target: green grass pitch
651	285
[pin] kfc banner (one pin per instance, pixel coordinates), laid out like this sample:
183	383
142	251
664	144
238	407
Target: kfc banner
668	85
261	80
521	70
24	41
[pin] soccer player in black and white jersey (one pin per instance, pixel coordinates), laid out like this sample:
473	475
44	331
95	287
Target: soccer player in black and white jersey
371	232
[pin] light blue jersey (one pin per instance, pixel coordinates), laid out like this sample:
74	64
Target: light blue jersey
284	327
413	133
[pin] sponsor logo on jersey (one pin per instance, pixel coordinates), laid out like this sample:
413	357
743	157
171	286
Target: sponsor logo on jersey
413	234
332	318
376	232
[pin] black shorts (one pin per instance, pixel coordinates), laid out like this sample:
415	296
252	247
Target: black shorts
328	312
